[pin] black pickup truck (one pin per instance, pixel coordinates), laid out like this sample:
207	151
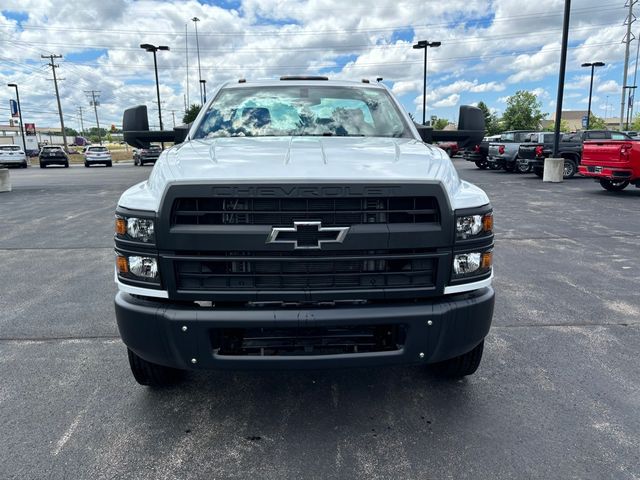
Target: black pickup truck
478	153
539	146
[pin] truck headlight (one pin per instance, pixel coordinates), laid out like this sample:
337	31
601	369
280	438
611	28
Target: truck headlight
469	226
134	228
136	267
471	264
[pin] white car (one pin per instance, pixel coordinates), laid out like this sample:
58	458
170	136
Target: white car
97	155
13	156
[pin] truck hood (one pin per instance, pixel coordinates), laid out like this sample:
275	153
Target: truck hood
238	160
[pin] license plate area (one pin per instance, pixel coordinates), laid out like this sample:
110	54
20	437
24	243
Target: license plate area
597	169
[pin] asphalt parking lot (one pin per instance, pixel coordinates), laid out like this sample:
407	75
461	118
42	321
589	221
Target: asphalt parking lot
557	394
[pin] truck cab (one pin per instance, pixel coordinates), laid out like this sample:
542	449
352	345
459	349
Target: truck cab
302	223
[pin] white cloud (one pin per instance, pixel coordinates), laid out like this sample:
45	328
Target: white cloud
450	101
610	86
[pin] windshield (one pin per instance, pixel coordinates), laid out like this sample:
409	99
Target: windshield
302	111
97	149
51	149
10	148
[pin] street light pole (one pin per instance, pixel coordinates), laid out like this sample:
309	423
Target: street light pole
593	65
153	49
420	45
195	22
24	141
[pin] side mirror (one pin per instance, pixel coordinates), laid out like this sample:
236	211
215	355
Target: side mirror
471	118
181	133
135	128
470	129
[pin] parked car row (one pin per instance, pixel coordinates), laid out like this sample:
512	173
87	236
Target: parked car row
523	151
14	156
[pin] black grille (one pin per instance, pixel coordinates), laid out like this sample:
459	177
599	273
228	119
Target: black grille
284	211
251	271
307	341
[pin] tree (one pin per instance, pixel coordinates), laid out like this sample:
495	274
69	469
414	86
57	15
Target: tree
70	132
522	112
491	122
192	113
564	126
597	123
636	123
439	123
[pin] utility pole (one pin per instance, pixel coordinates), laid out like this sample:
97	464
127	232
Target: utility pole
95	104
173	114
186	49
195	22
81	121
628	38
55	83
635	77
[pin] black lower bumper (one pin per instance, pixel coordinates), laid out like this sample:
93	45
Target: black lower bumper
182	337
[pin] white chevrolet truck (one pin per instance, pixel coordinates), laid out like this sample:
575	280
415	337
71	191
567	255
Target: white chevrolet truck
302	223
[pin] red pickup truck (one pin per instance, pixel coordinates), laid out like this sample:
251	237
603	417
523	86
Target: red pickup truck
614	163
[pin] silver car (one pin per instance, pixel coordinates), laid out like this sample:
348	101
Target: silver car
13	156
97	155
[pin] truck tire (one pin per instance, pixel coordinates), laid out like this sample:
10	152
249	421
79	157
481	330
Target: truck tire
461	366
539	171
494	166
151	374
482	165
522	167
614	185
570	168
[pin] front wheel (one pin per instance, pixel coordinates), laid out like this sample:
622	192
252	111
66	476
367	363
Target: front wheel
152	374
86	164
460	366
481	164
42	165
614	185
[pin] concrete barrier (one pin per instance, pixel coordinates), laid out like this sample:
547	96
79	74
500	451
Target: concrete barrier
5	180
553	170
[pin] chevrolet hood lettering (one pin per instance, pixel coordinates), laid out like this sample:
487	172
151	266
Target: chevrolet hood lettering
307	235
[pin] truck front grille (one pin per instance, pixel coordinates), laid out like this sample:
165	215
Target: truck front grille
284	211
318	271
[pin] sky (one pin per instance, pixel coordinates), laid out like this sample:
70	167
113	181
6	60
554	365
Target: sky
490	49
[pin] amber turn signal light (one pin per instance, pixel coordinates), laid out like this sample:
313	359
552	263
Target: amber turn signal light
487	222
121	226
487	260
121	264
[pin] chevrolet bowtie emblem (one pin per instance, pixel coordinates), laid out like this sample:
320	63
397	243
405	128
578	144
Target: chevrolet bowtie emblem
307	235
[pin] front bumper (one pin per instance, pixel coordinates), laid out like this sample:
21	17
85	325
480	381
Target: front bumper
173	335
97	159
